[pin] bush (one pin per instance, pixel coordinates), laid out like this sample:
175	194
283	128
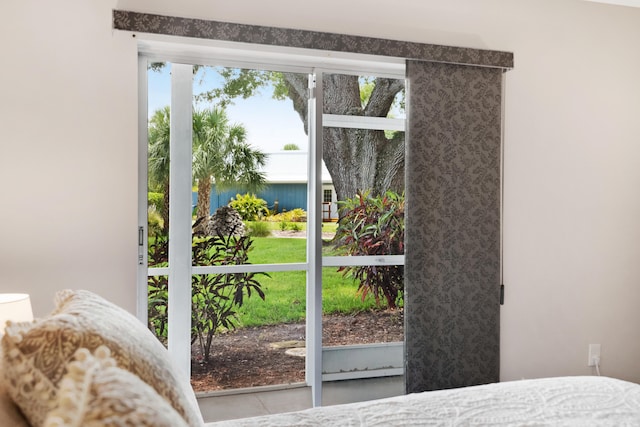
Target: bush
258	229
154	219
294	226
215	297
250	207
157	287
373	226
157	201
294	215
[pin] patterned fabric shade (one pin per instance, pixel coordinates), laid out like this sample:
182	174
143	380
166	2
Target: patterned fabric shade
453	190
452	265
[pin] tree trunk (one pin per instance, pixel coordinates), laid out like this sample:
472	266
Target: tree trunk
165	208
204	198
357	159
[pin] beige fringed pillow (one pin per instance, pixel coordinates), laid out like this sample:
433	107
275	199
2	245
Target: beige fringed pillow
9	413
37	354
96	393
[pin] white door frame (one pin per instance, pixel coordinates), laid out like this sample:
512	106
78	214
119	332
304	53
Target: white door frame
156	49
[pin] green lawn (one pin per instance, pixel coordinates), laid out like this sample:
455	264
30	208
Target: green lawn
285	291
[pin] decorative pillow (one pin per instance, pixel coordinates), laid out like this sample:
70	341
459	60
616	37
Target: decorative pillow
9	413
96	393
37	353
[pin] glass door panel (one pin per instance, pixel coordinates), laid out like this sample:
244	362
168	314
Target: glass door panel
263	342
250	154
248	228
265	238
250	157
363	272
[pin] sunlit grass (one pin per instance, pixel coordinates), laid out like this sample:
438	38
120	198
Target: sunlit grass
286	290
270	250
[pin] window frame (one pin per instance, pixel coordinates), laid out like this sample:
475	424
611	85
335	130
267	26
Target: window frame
154	48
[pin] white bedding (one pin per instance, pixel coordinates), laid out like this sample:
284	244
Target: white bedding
566	401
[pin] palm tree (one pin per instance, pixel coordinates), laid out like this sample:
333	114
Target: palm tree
159	132
222	156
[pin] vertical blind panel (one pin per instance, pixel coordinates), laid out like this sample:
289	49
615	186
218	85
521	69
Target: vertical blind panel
452	289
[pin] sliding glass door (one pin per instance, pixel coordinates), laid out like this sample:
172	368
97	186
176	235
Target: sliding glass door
260	164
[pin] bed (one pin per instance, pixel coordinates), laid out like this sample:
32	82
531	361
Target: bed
565	401
91	363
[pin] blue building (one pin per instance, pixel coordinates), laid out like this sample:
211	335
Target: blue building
286	176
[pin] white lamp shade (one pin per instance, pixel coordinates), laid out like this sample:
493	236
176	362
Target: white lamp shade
14	307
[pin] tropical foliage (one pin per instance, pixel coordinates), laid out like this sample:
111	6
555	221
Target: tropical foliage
373	225
356	159
221	155
294	215
159	138
250	207
215	297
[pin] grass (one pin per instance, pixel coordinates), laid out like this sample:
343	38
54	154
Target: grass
269	250
286	291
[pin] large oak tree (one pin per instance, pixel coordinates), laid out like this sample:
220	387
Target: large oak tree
357	159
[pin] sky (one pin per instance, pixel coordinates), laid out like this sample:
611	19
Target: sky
270	123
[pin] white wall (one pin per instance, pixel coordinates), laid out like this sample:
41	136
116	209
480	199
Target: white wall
572	238
67	151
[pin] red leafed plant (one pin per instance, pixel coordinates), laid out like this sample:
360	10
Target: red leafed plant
373	226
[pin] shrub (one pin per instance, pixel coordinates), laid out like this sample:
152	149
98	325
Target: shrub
258	229
157	287
373	226
215	297
158	295
294	226
250	207
294	215
154	219
157	201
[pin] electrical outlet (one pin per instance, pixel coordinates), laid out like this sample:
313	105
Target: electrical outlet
594	353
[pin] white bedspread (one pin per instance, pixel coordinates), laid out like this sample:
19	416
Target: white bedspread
566	401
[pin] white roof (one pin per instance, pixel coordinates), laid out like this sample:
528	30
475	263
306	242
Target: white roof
289	167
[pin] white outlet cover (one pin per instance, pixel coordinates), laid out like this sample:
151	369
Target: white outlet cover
594	351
